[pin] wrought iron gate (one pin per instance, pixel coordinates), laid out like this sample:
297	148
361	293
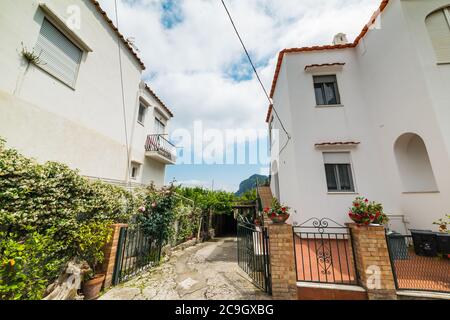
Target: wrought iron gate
136	253
324	252
253	254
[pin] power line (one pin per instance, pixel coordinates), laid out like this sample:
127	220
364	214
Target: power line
257	76
127	179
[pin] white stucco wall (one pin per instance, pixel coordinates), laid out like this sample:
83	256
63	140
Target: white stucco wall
385	92
81	126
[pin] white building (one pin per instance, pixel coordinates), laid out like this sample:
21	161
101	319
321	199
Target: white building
368	118
70	107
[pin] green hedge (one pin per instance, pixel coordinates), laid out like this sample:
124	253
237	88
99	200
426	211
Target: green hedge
47	214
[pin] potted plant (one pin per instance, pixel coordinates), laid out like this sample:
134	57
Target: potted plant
277	213
364	212
90	242
443	224
444	230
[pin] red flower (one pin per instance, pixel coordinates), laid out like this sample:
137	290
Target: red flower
266	210
356	205
283	209
366	200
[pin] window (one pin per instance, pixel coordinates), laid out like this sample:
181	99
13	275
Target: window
60	57
326	90
338	172
141	114
438	24
135	168
160	127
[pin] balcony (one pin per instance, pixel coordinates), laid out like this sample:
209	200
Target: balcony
160	149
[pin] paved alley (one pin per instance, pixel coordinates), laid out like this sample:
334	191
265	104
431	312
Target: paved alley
204	272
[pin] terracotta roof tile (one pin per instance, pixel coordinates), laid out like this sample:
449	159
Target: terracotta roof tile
269	112
111	24
324	65
158	99
345	143
363	32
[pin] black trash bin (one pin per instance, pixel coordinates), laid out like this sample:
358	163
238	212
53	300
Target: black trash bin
425	243
398	246
443	243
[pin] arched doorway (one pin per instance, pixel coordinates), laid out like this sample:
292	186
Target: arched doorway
414	164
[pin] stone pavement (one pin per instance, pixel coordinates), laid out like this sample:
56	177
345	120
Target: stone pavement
208	271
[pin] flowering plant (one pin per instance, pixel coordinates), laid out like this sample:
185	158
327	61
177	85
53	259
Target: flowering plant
365	212
277	212
444	224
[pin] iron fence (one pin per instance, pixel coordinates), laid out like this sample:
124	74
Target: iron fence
418	264
324	252
136	252
253	254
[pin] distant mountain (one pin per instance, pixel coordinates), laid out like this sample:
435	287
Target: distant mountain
250	183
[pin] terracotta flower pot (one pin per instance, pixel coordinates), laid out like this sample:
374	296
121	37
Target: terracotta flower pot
92	288
280	219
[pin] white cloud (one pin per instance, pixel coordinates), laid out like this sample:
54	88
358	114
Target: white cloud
187	64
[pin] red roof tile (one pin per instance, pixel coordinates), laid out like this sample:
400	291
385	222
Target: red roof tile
269	112
363	32
111	24
324	65
158	99
346	143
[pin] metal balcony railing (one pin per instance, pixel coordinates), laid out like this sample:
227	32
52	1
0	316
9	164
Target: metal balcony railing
158	143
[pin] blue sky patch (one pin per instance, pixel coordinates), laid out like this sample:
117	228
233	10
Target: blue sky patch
172	13
242	70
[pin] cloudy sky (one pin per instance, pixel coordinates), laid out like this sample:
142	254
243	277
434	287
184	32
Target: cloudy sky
196	64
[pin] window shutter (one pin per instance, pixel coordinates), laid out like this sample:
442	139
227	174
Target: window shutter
439	30
336	157
59	56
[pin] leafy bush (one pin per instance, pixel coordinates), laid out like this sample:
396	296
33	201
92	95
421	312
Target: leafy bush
219	202
157	213
51	195
90	240
187	218
27	264
50	214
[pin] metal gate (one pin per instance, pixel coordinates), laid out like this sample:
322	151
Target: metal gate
417	264
136	253
253	254
324	252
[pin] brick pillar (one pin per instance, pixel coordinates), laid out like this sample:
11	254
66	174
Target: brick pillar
373	262
282	261
110	255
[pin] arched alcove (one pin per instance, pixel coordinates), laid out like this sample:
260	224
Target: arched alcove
414	164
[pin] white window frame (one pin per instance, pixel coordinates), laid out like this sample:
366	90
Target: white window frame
43	67
160	123
446	12
135	166
338	93
351	171
141	103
